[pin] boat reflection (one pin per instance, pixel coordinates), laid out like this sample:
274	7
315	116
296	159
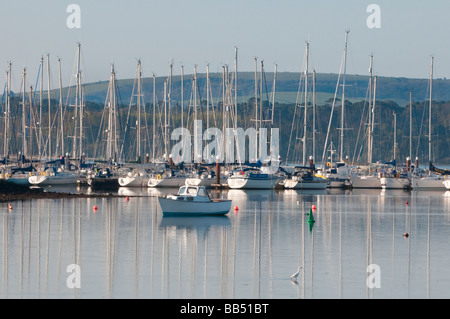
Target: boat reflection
195	222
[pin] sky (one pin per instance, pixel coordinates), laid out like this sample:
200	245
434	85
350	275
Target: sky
206	32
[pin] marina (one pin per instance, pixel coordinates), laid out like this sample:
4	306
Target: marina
199	152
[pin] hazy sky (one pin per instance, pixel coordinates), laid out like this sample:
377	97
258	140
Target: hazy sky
198	32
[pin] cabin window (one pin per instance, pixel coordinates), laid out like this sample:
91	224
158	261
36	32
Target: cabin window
182	190
202	192
192	191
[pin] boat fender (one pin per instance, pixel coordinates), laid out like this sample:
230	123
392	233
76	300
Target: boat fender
328	164
241	172
158	177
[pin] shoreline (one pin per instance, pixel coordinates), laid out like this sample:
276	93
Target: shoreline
13	192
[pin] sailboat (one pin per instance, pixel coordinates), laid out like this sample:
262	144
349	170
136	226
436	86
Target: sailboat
398	177
303	179
429	181
368	180
337	173
251	178
135	178
53	176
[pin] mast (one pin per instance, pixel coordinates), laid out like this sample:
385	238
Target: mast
395	136
61	108
369	135
139	112
273	93
165	121
429	119
154	115
314	116
49	112
78	109
40	106
182	104
410	125
306	103
341	154
24	130
207	97
256	103
235	85
7	111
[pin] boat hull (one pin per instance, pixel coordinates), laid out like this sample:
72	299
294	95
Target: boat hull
194	208
250	183
166	182
46	180
366	182
428	183
395	183
300	184
133	181
207	182
103	182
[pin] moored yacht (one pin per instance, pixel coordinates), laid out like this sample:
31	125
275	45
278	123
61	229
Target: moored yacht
251	178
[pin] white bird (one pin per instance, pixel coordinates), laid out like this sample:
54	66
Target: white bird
295	275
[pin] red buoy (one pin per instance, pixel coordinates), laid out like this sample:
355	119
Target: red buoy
95	208
127	198
313	207
236	209
406	203
10	206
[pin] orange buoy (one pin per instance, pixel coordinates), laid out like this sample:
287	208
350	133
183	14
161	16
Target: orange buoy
9	206
405	235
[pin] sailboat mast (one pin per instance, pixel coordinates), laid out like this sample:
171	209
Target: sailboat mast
410	125
235	85
273	93
8	109
40	105
61	108
78	108
49	112
165	120
343	98
395	136
154	115
369	135
429	119
306	103
256	103
24	129
139	112
314	116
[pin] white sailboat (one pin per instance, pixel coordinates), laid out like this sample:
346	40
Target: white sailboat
52	176
251	178
305	180
136	178
167	179
368	180
429	181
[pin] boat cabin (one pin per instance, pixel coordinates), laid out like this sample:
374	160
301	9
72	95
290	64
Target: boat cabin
193	191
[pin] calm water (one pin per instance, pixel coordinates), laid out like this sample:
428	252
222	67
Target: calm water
127	249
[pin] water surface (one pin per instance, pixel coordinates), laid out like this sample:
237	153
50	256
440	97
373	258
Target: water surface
127	249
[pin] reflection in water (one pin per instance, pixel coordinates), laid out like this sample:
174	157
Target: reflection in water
127	249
